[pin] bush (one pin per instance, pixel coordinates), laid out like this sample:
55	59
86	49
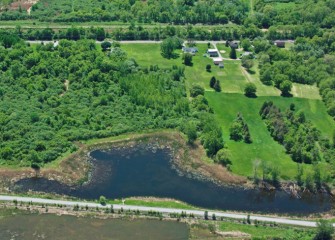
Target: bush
250	90
208	67
102	200
187	59
197	90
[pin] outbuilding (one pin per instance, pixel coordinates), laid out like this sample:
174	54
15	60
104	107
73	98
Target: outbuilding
212	52
191	50
218	61
233	44
279	43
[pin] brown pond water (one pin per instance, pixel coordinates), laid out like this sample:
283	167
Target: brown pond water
53	227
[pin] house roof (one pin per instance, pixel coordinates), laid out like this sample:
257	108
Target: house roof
212	50
217	59
233	44
280	43
190	49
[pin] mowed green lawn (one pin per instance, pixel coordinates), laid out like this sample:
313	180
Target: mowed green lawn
231	100
244	156
232	79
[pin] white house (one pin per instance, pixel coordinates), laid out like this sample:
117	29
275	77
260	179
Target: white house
212	52
218	61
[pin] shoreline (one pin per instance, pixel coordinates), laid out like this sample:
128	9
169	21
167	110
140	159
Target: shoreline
184	158
75	168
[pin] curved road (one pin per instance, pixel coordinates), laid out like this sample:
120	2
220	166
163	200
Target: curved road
159	209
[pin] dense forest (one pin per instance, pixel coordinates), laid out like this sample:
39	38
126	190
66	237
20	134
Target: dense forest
162	11
52	96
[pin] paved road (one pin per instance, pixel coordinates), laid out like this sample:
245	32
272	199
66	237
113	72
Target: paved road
162	210
128	41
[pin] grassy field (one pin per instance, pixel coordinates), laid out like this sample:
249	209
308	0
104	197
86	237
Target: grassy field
244	156
265	232
232	77
231	101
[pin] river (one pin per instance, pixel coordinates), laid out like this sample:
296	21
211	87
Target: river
147	171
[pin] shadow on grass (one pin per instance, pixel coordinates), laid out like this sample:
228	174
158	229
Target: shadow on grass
252	72
250	95
287	95
173	56
189	64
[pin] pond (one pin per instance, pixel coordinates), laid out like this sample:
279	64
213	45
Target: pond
144	171
48	226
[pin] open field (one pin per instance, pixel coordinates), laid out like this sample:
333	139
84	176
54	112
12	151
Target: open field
232	77
231	101
264	232
243	156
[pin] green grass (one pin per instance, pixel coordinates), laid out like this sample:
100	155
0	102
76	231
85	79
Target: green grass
264	232
244	156
305	91
226	105
233	77
222	47
253	77
158	203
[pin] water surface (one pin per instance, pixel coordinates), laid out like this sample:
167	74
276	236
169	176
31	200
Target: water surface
53	227
140	171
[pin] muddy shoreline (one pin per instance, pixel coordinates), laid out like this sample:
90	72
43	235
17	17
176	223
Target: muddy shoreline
77	168
185	159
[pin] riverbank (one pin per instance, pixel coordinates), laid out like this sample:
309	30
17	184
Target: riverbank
77	207
74	168
214	227
117	163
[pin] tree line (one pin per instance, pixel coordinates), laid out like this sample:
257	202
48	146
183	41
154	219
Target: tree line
178	12
298	135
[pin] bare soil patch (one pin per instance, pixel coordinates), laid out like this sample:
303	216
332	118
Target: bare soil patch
23	4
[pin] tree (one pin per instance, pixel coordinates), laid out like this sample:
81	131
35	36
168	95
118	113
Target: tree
208	67
212	82
102	200
300	173
206	215
247	62
191	132
317	177
232	53
246	44
187	58
223	157
250	90
285	88
217	86
100	34
325	230
167	47
236	131
197	90
105	45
